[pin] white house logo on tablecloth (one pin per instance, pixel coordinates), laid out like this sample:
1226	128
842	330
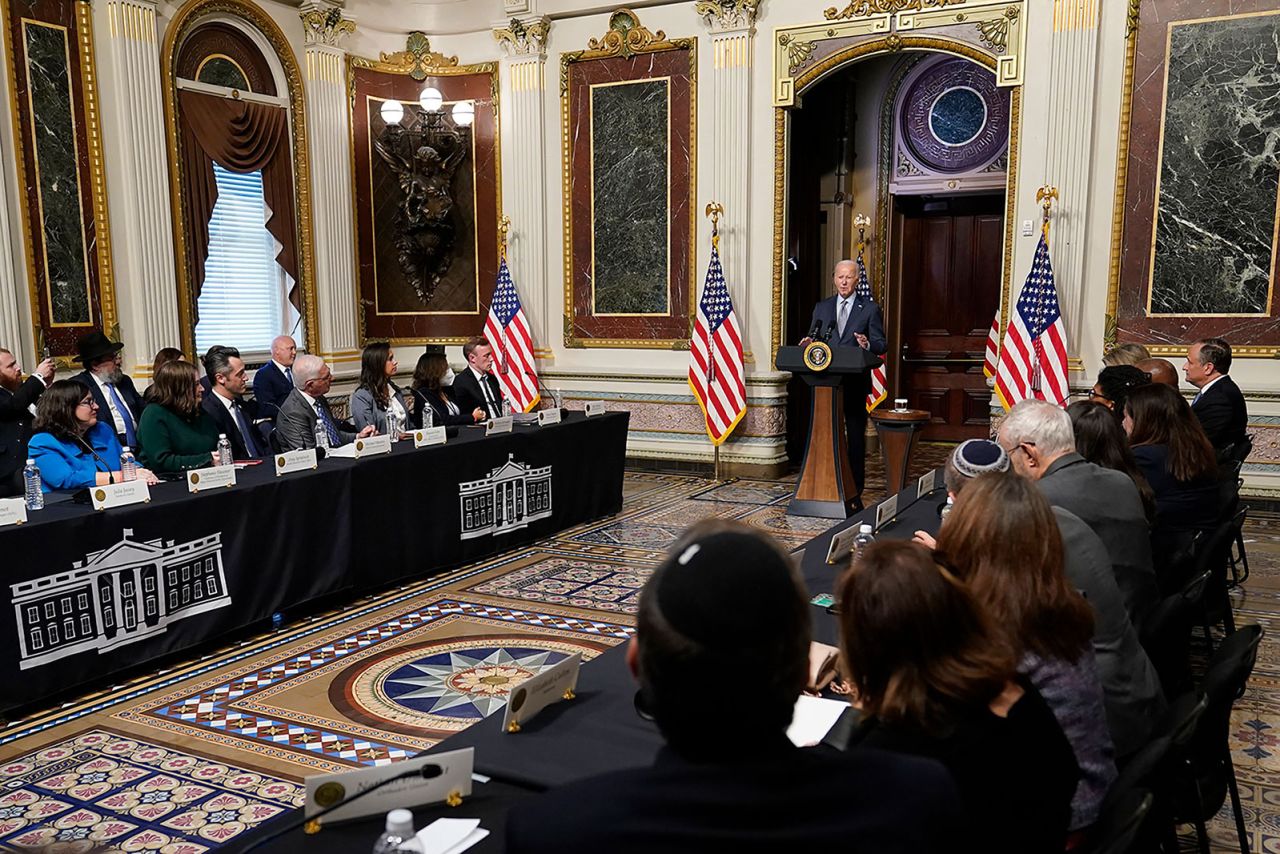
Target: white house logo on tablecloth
116	596
512	496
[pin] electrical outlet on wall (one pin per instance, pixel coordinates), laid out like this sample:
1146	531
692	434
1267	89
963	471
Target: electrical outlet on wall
1028	227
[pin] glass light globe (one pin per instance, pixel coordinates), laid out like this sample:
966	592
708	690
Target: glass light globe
464	113
430	99
392	112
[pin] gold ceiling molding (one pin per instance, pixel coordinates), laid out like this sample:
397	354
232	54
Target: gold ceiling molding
991	29
524	38
325	27
417	59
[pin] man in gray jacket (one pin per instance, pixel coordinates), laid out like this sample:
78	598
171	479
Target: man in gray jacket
1040	442
306	407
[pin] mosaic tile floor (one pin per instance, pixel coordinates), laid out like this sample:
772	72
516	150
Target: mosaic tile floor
189	759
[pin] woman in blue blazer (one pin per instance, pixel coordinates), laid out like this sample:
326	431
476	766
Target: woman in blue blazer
71	447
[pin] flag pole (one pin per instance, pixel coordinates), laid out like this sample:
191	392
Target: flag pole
504	226
1045	197
714	210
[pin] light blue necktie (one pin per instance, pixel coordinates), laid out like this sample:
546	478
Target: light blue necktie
130	437
335	440
844	314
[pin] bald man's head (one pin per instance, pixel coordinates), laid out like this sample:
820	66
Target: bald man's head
1161	370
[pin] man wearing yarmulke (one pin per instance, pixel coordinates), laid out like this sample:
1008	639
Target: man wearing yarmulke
727	607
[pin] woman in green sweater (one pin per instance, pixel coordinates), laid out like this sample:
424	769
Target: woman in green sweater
175	433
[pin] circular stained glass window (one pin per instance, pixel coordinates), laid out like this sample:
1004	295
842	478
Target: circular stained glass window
957	116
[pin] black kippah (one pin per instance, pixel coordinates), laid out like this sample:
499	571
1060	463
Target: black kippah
721	590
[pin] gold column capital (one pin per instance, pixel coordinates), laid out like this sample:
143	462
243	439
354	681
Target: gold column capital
323	24
524	37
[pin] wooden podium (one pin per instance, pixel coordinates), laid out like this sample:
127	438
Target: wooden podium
826	486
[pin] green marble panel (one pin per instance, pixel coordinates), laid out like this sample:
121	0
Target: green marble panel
223	72
630	160
57	164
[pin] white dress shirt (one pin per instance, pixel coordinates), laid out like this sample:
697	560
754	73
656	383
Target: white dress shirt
116	418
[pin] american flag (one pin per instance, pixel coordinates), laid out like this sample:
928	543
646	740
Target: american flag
1033	360
715	370
879	377
990	360
508	333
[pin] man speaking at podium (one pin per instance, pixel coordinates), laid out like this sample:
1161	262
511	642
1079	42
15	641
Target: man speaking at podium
851	320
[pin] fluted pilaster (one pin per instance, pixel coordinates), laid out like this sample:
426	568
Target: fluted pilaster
12	327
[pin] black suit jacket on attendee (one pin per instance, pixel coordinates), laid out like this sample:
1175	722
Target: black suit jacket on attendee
792	800
15	430
426	397
226	424
467	394
1222	413
296	424
127	393
270	388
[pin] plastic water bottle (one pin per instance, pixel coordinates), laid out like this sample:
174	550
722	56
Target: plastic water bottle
35	489
945	509
322	436
277	621
399	831
557	398
128	465
225	457
393	426
864	539
428	416
506	407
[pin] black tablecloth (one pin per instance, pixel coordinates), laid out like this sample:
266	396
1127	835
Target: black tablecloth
93	594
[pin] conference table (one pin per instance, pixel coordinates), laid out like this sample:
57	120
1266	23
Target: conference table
91	596
600	730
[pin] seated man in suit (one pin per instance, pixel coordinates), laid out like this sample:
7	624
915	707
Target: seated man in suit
274	381
306	407
1041	443
226	404
119	403
728	600
855	321
476	387
17	413
1219	404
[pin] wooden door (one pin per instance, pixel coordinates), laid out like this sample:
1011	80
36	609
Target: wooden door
948	255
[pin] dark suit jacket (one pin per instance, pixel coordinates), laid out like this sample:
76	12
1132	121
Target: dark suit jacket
296	424
782	800
226	424
425	397
866	318
127	393
1108	502
467	394
270	388
1222	413
15	430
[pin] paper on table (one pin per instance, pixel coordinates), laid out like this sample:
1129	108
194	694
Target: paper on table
347	451
813	719
450	835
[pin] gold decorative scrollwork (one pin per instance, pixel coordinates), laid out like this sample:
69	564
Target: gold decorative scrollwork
325	27
1131	19
798	52
995	32
417	58
524	37
863	8
728	13
625	36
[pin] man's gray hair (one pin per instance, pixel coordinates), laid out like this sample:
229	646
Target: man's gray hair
306	368
1039	423
852	263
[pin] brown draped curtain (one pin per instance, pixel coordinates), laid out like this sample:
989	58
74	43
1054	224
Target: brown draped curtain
240	137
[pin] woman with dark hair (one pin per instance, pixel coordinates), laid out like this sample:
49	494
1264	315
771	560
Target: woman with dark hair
1114	384
71	447
430	379
177	434
933	677
377	397
1003	540
1175	456
163	356
1100	439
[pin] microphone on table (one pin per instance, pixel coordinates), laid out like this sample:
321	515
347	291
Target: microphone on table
423	772
542	387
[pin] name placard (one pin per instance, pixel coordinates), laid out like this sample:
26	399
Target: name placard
13	511
371	446
841	544
548	416
120	494
498	425
594	407
885	511
927	483
211	478
443	777
291	461
537	692
429	436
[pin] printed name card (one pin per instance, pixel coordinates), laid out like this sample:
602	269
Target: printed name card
885	511
429	436
548	416
120	494
13	511
927	483
291	461
841	544
498	425
594	407
372	446
441	778
211	478
537	692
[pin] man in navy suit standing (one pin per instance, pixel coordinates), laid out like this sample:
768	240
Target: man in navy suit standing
853	321
1219	404
274	381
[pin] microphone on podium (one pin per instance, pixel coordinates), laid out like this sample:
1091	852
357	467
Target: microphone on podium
831	328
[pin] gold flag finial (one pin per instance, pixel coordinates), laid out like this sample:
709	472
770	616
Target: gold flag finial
504	226
715	210
1045	197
